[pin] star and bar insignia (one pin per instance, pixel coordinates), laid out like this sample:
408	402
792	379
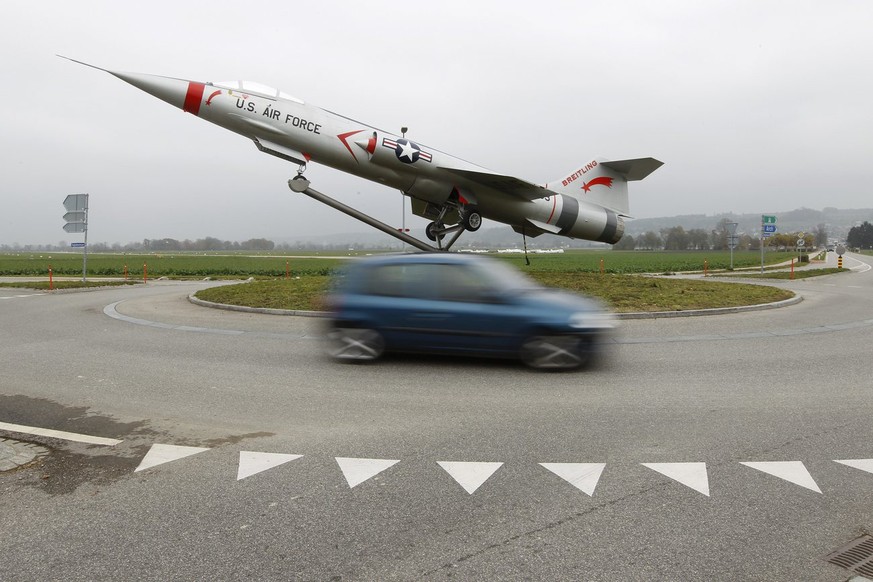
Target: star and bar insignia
406	151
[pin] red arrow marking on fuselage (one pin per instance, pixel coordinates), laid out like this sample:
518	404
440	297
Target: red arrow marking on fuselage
214	94
344	138
599	181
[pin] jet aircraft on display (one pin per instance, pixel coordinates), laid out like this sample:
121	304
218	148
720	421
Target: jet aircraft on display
590	202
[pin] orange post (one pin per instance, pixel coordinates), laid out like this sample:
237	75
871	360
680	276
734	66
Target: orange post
287	270
792	269
601	265
705	268
125	272
51	282
145	273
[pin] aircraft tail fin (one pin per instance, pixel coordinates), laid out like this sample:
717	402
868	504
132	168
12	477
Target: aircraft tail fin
604	182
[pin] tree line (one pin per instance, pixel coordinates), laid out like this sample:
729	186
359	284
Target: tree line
676	238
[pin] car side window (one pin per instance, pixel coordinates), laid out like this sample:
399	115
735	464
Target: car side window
461	283
402	280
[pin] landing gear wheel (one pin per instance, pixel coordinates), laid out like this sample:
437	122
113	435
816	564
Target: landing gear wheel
472	220
431	231
355	345
553	352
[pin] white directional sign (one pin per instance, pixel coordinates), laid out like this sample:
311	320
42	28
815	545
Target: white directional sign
77	213
76	202
74	227
76	219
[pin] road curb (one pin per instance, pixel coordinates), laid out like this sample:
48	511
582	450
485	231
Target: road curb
245	309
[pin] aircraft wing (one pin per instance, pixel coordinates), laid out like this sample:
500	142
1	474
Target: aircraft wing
503	183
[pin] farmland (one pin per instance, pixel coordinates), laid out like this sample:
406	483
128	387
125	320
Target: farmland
266	266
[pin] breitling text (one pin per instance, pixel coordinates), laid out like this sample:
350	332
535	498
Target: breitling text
587	168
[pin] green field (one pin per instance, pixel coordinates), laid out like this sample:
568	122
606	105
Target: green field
185	265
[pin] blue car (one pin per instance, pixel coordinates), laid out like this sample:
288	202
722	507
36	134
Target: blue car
459	304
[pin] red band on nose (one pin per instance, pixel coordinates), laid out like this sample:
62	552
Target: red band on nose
193	98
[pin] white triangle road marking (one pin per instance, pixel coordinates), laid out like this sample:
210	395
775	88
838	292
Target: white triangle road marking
159	454
791	471
469	475
356	471
863	464
691	475
252	463
582	476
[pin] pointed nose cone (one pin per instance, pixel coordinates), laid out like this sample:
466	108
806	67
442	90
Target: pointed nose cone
186	95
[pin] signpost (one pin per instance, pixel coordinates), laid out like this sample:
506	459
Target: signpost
768	227
732	239
77	221
841	250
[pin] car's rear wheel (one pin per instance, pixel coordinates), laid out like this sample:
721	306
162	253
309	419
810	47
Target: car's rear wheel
554	352
355	344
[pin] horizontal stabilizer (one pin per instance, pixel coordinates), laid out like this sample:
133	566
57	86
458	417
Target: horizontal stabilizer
633	170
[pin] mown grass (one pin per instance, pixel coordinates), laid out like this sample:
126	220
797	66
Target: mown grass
624	293
304	294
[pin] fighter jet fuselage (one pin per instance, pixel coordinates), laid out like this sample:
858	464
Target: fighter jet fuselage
588	202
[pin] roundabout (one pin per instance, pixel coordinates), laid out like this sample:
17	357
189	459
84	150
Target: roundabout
698	431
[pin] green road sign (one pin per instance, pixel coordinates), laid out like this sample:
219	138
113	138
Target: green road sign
768	219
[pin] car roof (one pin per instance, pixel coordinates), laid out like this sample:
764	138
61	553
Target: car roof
424	257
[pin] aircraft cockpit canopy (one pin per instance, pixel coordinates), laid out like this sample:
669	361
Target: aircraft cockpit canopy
257	89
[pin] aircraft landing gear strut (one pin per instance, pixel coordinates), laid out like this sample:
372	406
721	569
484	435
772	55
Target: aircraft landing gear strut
301	185
471	220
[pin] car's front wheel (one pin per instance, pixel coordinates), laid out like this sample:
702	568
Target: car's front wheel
554	352
355	344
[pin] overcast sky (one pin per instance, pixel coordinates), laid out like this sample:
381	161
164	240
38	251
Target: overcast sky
752	106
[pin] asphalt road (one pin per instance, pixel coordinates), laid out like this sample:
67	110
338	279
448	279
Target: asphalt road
374	494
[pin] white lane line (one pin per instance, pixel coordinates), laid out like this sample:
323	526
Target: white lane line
160	454
356	471
689	474
469	475
792	471
252	462
582	476
59	434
